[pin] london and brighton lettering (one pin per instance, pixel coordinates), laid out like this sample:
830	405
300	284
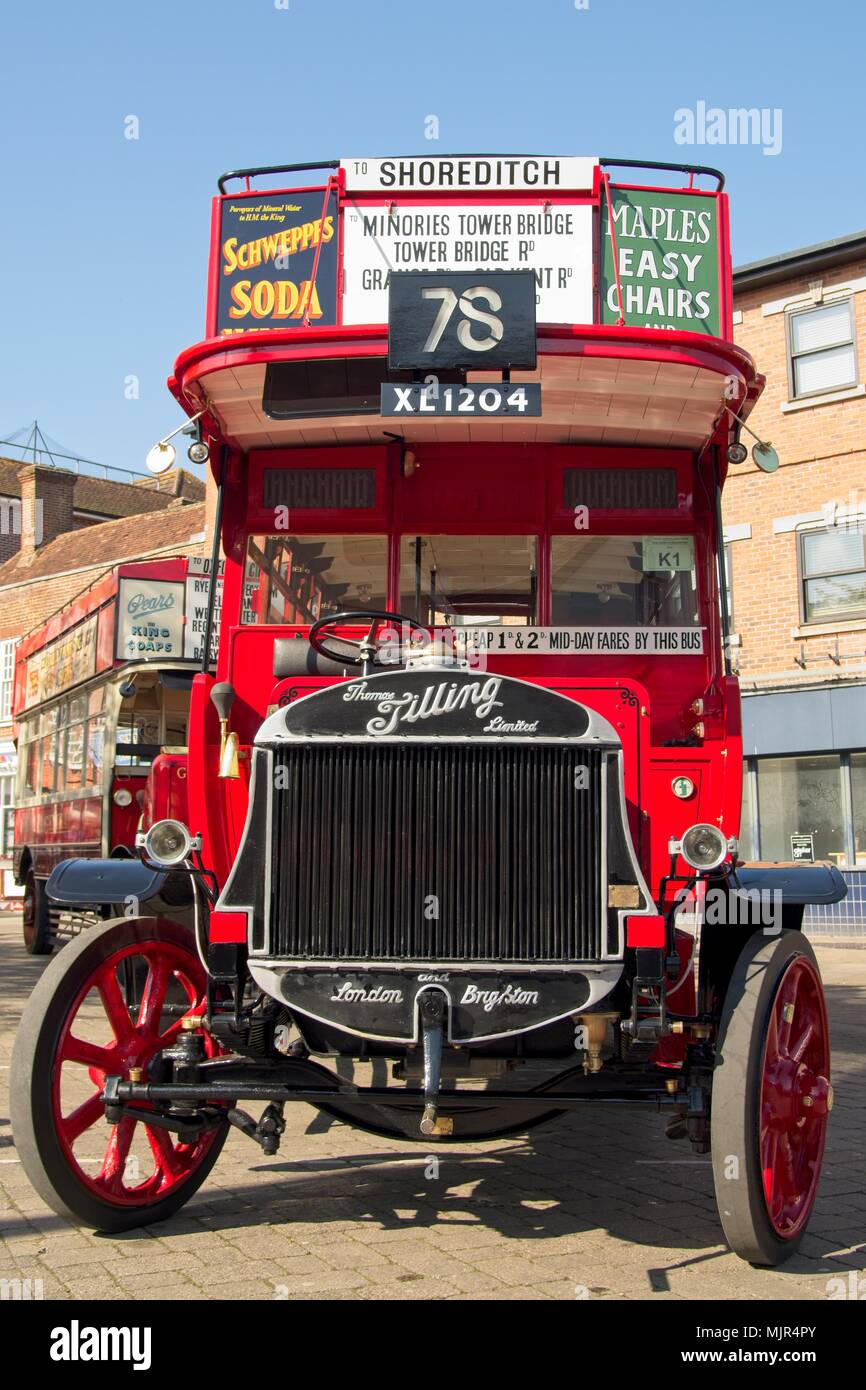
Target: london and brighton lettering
489	999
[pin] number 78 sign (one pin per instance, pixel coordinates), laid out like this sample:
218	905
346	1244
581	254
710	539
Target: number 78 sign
462	319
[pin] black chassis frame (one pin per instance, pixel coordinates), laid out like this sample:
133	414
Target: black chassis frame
190	1093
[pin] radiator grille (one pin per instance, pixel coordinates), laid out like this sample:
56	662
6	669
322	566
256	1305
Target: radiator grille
436	852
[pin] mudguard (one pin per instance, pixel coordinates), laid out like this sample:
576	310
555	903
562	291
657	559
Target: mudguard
798	883
94	881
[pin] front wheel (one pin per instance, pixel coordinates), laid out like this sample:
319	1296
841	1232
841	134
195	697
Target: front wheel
771	1097
84	1022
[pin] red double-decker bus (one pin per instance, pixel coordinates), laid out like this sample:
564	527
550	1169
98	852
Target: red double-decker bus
101	703
464	794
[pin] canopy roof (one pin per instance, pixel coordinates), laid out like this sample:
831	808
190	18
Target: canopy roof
600	385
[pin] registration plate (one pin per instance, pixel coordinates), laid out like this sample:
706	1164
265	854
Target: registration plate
501	398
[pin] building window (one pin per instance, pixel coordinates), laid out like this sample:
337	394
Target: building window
821	350
7	675
7	813
729	586
746	839
805	807
800	808
858	807
833	574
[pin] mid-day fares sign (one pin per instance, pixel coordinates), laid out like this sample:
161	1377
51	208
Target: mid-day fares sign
267	251
667	247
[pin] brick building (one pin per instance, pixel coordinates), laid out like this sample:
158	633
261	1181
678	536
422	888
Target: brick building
38	502
797	563
58	532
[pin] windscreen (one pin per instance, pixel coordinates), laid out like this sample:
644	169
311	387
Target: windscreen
297	580
462	581
623	581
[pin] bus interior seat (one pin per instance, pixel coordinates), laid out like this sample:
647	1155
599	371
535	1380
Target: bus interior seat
293	656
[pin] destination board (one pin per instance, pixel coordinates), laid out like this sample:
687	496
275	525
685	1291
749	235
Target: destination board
554	242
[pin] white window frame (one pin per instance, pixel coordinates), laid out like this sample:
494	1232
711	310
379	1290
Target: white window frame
7	678
793	357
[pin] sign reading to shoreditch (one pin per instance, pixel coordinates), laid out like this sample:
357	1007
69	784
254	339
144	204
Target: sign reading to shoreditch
495	173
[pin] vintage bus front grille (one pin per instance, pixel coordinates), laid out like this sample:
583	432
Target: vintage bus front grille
437	852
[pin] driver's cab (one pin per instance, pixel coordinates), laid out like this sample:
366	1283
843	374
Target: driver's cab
325	587
347	554
444	581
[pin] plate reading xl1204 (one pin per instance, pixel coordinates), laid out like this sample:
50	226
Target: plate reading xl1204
498	398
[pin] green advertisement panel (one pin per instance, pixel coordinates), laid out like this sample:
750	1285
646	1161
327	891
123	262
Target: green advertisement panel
668	249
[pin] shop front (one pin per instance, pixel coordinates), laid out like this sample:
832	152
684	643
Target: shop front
804	789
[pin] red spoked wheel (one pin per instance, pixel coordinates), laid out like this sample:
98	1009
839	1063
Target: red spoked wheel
106	1006
771	1097
796	1097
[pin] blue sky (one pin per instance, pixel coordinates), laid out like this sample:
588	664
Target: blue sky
104	240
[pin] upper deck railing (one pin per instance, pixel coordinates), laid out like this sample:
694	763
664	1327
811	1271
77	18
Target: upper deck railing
257	171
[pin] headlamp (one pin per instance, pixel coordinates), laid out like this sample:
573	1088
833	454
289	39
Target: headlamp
703	846
167	842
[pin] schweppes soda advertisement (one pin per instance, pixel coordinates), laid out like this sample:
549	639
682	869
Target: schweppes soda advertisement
267	254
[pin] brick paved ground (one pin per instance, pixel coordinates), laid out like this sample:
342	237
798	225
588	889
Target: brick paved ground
600	1203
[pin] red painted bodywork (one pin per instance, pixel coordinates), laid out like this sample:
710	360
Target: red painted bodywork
645	931
228	926
499	490
496	489
165	791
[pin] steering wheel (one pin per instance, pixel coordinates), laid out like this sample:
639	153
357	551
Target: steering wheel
366	647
